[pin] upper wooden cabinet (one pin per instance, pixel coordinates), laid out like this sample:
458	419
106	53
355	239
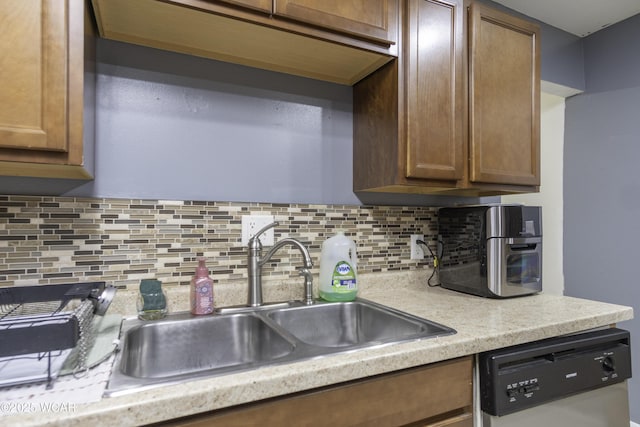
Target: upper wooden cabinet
261	5
504	97
458	111
30	105
434	100
337	41
43	89
371	19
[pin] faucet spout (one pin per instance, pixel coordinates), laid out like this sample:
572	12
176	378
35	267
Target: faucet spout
255	263
288	241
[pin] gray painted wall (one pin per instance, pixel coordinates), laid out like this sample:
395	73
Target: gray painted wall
561	58
601	179
177	127
172	126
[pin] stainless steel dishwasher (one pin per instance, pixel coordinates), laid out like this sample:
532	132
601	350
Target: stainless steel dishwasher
577	380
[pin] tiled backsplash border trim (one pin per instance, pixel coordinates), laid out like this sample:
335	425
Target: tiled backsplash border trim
48	240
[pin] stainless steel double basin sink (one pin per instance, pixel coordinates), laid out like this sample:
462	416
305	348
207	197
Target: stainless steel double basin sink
183	347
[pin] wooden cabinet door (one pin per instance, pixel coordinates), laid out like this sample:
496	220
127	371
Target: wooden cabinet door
371	19
435	92
262	5
465	419
441	392
33	72
504	96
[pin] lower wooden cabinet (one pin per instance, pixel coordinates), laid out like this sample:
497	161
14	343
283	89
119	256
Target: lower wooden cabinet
464	420
435	395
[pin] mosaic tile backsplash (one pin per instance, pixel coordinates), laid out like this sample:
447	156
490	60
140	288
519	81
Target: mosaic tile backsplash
48	240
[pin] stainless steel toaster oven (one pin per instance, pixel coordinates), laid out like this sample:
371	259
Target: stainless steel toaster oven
491	250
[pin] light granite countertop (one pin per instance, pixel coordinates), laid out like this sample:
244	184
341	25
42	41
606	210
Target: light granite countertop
481	324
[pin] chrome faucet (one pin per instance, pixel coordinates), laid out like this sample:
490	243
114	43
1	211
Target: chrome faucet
255	263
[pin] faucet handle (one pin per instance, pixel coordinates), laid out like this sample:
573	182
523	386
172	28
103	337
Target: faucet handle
256	237
308	285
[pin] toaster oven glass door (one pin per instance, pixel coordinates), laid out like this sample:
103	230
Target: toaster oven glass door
523	268
523	260
514	266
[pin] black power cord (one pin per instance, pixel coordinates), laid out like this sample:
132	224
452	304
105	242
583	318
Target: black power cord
436	263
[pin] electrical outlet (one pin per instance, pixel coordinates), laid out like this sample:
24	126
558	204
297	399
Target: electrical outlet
416	249
251	224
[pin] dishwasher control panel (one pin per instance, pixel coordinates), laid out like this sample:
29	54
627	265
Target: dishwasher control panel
527	375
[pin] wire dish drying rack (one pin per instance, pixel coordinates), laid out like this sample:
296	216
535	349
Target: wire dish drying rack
42	327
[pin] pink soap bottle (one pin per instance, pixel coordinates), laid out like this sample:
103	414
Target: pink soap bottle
201	290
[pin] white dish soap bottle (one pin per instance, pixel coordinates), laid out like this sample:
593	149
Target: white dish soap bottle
338	269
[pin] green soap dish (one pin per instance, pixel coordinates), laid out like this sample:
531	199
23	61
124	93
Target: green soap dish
152	301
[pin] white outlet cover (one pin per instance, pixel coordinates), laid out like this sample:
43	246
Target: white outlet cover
416	249
251	224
